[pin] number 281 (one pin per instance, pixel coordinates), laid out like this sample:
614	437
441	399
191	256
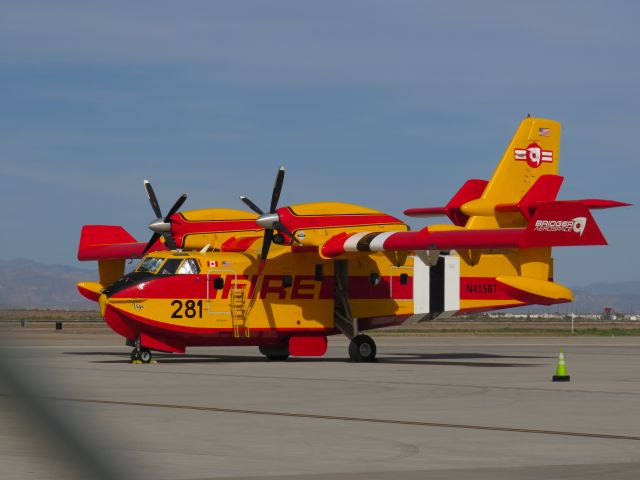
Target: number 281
191	309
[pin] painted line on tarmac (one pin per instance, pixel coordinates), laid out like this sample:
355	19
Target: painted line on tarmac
505	345
348	380
345	419
53	347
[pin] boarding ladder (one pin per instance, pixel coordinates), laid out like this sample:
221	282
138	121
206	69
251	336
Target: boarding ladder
238	312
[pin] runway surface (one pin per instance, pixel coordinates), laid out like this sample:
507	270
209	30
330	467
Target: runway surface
431	407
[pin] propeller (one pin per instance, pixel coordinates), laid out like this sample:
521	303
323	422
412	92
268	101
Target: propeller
270	220
161	226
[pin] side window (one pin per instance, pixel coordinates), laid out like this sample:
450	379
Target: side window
170	266
189	267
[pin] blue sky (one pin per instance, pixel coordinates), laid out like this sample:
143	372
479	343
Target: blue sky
385	104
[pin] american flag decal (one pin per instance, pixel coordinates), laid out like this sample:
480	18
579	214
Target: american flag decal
544	132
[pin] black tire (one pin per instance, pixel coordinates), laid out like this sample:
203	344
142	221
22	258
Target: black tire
277	358
145	355
275	353
362	348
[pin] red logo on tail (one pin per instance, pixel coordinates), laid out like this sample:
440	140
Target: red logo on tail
533	155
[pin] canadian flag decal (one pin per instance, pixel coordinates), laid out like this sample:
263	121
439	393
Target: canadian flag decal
533	155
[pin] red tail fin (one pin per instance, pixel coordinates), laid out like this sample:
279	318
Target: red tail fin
471	190
545	189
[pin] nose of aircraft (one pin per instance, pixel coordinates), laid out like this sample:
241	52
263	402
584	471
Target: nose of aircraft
90	290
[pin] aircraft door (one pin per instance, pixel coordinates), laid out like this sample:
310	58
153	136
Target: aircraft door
226	302
216	304
436	288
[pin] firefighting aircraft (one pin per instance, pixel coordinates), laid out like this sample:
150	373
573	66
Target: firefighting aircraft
286	278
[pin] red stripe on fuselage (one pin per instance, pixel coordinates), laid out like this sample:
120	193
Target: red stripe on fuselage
304	287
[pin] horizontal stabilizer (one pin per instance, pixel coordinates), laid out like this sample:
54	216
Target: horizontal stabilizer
110	242
471	190
544	192
598	203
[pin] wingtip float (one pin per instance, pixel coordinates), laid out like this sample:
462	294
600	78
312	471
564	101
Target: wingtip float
285	279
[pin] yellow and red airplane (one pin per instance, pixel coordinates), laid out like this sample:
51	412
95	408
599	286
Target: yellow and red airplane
285	279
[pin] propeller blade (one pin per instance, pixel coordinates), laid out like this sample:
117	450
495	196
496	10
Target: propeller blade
280	227
277	188
266	243
251	205
154	239
176	206
152	198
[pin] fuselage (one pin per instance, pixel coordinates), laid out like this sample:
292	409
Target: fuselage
218	298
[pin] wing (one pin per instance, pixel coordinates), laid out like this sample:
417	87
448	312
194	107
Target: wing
567	223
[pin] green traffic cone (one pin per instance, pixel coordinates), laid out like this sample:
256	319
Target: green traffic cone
561	369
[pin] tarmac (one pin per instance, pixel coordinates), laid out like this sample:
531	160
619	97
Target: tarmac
431	407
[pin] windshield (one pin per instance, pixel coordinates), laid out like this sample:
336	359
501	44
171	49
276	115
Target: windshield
189	267
149	264
170	266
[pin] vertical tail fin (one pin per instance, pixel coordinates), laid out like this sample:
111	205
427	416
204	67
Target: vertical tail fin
528	170
534	151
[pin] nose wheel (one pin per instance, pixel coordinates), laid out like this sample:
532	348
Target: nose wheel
362	348
141	354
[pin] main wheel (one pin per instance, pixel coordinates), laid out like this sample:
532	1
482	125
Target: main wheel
145	355
362	348
275	353
135	354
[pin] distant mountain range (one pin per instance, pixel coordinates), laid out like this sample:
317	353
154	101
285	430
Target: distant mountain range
28	284
624	297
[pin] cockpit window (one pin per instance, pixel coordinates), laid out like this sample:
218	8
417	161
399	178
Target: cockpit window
150	264
170	266
189	267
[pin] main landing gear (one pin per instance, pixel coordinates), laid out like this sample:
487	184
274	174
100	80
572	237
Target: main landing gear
362	348
142	355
